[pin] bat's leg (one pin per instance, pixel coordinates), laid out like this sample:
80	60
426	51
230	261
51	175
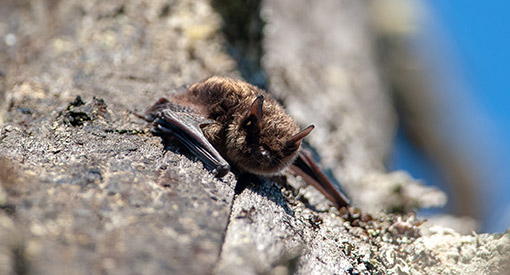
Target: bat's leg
306	167
185	127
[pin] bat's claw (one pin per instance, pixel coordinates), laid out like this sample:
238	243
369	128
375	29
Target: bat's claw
222	170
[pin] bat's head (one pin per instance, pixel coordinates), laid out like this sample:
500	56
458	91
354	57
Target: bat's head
264	140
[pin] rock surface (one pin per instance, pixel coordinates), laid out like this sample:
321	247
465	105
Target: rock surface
85	188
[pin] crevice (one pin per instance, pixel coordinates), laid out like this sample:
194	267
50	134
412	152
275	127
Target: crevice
21	265
243	28
223	239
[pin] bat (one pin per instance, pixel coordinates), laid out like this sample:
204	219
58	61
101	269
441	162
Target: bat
230	124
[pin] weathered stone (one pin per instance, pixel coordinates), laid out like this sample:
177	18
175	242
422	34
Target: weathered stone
97	193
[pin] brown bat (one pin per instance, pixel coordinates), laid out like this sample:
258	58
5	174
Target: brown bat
224	121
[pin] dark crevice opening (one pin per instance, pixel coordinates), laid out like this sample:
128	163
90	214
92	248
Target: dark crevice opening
243	29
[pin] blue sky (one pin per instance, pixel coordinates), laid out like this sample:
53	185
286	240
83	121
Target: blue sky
470	41
480	33
479	39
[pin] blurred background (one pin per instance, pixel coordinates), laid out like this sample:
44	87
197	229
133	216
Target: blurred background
448	65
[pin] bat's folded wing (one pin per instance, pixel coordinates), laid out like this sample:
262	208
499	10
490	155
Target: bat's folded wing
172	120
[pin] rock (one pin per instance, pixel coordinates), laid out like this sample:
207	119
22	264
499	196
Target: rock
96	192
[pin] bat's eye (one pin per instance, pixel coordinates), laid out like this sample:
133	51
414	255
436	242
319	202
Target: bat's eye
265	154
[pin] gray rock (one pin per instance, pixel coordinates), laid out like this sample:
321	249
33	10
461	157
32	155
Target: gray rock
95	191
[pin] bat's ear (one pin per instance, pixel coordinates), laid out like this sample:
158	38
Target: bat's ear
295	141
254	115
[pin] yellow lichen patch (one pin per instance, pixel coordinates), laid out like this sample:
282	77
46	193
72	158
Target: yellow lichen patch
27	89
200	31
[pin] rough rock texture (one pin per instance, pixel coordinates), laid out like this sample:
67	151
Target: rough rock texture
86	189
94	191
